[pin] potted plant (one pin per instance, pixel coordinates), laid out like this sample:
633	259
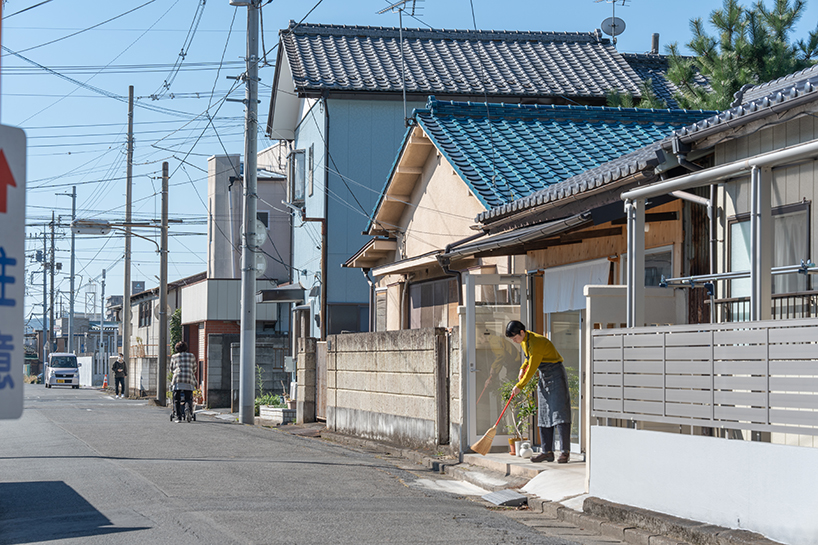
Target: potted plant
522	409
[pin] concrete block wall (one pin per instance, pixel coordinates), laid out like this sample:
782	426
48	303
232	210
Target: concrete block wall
269	356
386	386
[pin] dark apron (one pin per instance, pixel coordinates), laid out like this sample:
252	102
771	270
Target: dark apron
552	395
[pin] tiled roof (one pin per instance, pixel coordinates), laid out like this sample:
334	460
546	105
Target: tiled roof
595	178
784	93
654	67
455	62
507	152
770	87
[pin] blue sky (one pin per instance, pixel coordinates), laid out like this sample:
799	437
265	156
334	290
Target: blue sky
68	96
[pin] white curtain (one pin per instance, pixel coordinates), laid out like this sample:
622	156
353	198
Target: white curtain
563	286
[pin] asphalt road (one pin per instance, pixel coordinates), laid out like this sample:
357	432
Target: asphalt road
83	467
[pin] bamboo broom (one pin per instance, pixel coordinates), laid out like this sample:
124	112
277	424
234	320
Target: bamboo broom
483	445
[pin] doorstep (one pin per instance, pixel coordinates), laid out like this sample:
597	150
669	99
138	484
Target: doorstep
515	466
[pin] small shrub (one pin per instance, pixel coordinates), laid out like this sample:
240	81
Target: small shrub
269	399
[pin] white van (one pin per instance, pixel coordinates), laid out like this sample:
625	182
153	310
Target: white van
62	369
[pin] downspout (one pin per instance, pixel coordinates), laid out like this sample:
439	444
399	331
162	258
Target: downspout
324	279
372	309
712	216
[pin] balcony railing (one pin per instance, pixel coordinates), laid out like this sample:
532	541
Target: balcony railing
785	306
757	376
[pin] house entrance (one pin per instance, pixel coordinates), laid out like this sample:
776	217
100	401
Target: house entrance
491	301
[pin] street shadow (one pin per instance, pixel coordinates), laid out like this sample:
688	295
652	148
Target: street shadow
32	512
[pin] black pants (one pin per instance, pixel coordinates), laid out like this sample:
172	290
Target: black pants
120	383
177	402
547	436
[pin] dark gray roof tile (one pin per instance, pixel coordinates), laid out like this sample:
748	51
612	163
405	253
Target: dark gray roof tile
462	62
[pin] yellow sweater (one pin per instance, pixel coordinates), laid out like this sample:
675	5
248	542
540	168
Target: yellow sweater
537	349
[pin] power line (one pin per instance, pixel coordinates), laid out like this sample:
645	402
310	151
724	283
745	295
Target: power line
86	29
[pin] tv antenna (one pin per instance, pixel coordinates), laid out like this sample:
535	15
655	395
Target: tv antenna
613	26
410	7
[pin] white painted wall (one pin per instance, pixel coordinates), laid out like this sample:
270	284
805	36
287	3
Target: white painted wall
221	300
764	488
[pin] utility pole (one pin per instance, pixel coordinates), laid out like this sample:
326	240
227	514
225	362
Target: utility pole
247	359
126	297
46	348
51	341
101	324
73	196
161	388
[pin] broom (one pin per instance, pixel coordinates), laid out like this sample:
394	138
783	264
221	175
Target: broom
483	445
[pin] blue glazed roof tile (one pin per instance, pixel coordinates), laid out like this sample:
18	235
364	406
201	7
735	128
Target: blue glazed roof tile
508	152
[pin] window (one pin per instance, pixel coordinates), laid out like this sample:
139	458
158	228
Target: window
145	314
658	263
264	217
297	173
433	304
790	246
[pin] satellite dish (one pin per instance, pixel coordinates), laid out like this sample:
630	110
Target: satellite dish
613	26
261	263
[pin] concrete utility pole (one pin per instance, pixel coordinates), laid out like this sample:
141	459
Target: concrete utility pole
247	359
73	196
102	324
161	388
51	342
46	348
126	297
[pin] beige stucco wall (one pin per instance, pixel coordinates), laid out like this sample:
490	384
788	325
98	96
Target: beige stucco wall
443	209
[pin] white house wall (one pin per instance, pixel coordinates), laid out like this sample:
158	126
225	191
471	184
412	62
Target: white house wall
219	245
707	479
221	300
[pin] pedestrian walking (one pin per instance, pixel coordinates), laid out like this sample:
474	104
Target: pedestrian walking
120	369
183	365
553	397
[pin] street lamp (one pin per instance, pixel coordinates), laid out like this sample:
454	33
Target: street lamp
93	227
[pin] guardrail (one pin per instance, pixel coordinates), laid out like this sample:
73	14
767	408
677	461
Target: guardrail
757	376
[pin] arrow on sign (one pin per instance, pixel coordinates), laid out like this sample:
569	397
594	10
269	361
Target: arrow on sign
6	180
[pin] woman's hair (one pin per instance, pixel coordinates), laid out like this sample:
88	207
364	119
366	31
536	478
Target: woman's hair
514	328
181	346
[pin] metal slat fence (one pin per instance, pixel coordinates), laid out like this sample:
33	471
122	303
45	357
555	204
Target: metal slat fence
757	376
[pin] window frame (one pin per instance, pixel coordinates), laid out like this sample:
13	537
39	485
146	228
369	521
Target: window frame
784	209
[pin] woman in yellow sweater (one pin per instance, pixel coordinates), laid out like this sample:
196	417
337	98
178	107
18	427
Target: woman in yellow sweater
553	399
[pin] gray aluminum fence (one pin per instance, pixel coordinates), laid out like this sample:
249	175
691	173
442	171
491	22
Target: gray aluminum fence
759	376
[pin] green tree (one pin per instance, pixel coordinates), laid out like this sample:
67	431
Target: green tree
175	328
751	46
617	99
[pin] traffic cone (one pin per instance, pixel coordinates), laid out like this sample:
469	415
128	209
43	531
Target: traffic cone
105	381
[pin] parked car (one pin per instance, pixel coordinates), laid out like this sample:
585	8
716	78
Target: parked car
62	369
